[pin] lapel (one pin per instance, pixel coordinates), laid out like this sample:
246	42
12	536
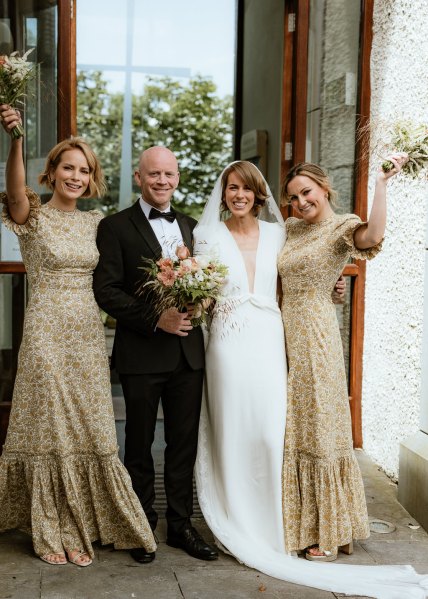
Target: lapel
186	232
145	230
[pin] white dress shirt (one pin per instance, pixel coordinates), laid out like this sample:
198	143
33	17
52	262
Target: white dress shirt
168	234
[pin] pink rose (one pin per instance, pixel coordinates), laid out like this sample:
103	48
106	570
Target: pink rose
182	252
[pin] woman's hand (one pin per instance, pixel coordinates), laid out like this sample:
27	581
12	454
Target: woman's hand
9	118
338	294
398	159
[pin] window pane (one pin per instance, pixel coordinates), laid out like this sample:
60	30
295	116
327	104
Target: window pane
35	26
168	81
332	86
12	306
331	109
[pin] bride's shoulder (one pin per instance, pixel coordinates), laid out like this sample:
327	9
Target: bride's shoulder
271	226
274	229
206	232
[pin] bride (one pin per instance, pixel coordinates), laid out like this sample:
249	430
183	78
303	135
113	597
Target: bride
242	428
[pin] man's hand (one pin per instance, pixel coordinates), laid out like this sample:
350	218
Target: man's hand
174	322
338	295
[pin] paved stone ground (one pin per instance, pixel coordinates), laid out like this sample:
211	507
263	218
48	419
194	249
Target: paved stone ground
175	575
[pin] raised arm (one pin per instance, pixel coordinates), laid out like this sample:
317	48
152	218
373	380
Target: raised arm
372	233
19	206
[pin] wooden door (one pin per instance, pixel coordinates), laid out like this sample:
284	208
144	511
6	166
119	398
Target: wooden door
326	98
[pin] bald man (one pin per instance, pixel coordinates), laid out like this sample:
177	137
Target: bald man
155	357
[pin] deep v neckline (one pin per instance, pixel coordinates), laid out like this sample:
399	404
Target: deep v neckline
243	259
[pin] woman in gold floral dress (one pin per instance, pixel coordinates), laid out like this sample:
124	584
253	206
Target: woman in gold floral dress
323	495
60	475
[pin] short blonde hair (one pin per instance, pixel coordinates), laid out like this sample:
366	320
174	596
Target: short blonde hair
96	187
314	172
252	177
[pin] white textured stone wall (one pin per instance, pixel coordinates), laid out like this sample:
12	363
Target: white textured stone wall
395	279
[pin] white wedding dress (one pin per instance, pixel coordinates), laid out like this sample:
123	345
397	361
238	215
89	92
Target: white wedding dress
241	435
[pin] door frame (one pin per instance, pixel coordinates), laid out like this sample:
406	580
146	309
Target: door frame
295	60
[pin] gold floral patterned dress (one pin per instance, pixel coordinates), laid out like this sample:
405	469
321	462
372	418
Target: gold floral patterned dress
323	493
60	475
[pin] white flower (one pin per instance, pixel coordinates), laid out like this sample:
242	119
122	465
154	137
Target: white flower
202	260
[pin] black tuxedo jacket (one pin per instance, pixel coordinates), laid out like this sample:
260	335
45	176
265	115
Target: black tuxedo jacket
123	239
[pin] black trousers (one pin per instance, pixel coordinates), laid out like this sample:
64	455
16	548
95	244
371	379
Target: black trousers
181	394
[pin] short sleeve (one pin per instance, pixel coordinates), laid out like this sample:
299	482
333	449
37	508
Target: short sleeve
97	215
30	224
348	228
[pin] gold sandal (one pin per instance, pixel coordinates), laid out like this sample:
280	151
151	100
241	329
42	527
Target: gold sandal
328	556
77	555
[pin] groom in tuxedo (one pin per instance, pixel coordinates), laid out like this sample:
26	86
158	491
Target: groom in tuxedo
155	356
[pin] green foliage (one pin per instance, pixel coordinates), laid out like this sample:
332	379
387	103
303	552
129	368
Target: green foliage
189	119
100	122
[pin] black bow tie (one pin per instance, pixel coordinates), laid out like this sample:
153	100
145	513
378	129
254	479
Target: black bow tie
169	216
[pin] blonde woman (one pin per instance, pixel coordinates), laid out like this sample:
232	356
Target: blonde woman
324	503
60	474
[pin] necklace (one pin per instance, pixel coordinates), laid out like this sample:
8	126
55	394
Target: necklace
71	212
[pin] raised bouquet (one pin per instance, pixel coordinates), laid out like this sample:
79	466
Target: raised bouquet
15	72
176	283
402	136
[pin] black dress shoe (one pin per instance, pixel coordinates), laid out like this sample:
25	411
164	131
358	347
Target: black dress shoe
142	556
192	542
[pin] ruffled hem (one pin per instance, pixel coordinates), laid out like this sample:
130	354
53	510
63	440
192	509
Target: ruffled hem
30	224
70	502
324	502
348	238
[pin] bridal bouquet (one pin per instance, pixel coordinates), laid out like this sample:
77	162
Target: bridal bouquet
185	280
411	138
402	136
15	72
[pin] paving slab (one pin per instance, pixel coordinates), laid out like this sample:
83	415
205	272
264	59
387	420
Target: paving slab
377	489
246	584
407	528
359	557
398	552
107	582
20	585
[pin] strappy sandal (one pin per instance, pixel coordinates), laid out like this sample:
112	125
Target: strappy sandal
326	556
77	556
45	557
